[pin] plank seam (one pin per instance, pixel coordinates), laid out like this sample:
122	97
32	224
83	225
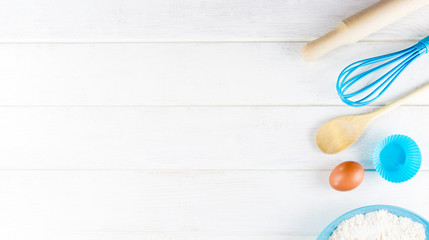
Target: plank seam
195	106
196	41
179	170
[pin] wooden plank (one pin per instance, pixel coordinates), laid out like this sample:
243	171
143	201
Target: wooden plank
184	74
188	137
205	202
182	236
187	20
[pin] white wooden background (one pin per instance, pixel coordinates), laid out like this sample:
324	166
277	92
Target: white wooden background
189	119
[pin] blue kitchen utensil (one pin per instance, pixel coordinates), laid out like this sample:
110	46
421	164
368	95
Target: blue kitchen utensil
401	212
397	158
355	72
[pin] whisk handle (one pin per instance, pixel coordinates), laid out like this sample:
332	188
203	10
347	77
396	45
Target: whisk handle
401	100
425	43
361	25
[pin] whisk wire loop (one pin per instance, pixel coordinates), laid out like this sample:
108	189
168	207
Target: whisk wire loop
347	83
386	76
375	88
395	72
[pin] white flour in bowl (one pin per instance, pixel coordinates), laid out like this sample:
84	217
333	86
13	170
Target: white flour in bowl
379	225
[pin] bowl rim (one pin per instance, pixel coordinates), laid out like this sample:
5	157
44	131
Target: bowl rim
398	211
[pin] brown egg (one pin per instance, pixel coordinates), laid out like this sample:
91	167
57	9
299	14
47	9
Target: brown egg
346	176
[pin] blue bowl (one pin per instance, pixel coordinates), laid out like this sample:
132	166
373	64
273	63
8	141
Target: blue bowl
401	212
397	158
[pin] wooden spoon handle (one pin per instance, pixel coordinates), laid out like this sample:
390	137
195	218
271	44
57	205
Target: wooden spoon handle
400	101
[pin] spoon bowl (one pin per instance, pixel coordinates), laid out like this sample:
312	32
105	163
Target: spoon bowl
340	133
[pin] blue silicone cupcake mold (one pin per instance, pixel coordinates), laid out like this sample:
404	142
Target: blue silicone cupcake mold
397	158
401	212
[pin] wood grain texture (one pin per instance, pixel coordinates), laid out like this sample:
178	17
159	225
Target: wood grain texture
234	202
188	20
185	74
188	137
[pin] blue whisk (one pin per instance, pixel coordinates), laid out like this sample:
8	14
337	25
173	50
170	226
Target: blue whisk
378	86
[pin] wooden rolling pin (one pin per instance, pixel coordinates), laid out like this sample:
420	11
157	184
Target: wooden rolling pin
361	25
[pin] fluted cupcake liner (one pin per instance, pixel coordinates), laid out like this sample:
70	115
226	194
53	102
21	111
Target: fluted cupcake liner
397	158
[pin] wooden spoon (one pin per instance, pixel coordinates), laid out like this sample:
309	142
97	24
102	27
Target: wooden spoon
340	133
